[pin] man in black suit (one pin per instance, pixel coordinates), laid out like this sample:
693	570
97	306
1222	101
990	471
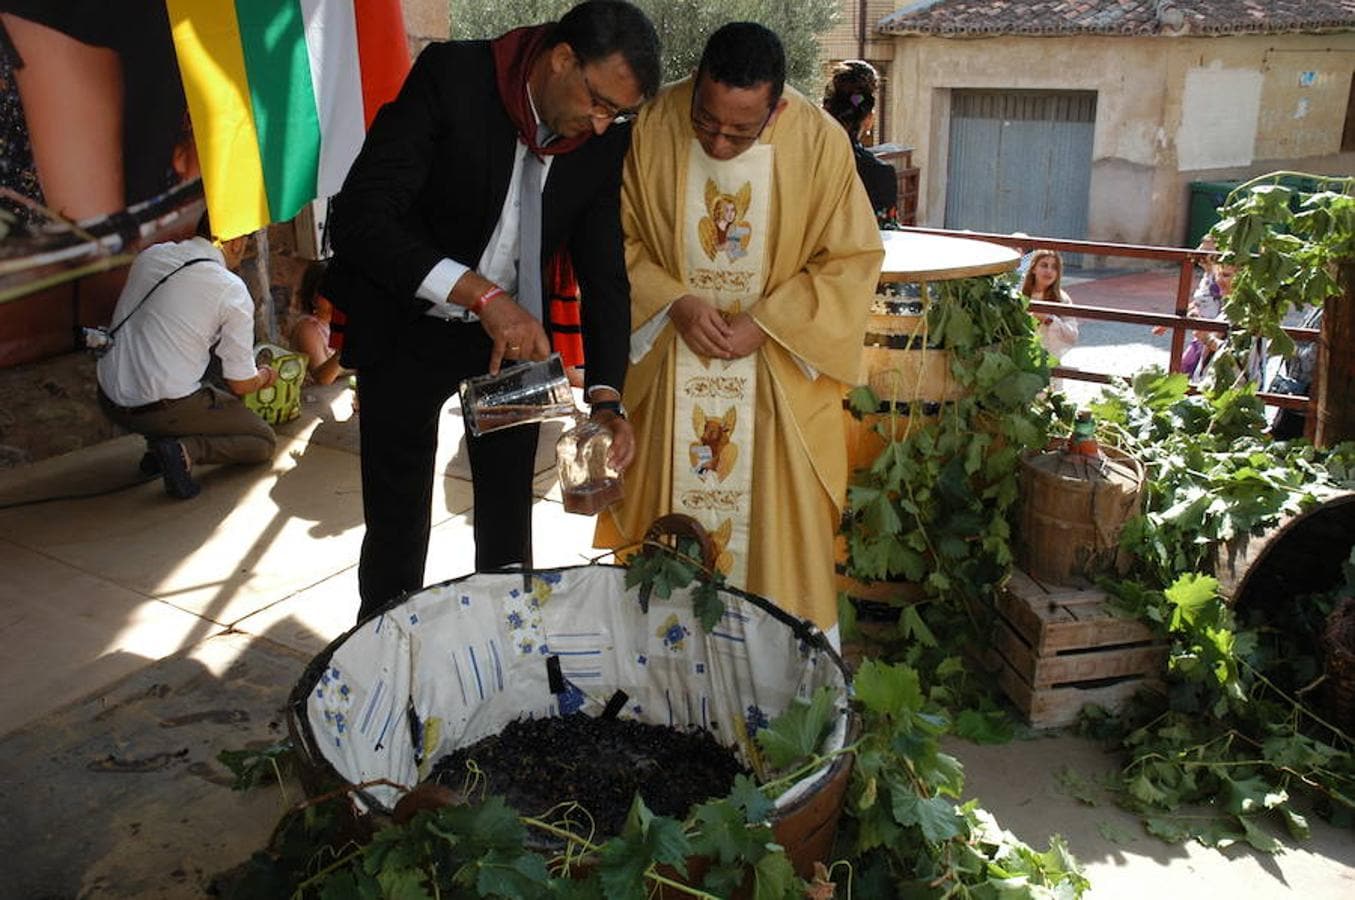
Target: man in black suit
427	234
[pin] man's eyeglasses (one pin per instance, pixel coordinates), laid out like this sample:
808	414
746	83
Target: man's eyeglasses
712	131
604	108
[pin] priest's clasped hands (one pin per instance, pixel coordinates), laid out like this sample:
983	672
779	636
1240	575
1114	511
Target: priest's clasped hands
708	332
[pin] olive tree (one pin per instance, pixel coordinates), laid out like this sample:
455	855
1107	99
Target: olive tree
683	26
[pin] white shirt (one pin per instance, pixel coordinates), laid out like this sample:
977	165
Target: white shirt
499	261
163	349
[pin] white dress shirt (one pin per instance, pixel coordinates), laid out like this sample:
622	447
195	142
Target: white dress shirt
499	261
163	350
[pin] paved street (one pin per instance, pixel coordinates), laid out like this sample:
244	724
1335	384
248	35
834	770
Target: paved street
144	635
1117	348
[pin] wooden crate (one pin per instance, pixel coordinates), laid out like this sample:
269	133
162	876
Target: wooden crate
1061	648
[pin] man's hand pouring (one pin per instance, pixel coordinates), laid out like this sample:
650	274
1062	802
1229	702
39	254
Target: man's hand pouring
517	335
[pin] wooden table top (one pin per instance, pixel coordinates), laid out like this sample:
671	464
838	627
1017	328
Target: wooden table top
910	256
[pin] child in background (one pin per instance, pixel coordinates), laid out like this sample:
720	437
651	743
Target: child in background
311	332
1044	281
1205	303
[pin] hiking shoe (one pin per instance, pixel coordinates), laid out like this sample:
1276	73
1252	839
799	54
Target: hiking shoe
174	469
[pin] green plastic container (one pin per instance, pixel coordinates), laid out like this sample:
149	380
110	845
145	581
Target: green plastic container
1207	196
1205	199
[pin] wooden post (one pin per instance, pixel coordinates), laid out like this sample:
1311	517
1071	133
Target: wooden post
1334	379
255	272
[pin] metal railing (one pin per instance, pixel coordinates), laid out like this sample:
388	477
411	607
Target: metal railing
1178	323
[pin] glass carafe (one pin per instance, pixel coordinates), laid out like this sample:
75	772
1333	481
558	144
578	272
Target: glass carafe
519	394
587	481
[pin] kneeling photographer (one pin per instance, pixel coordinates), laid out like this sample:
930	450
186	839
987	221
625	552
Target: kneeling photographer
180	300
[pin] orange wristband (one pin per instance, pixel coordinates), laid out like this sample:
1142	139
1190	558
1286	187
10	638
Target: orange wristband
478	306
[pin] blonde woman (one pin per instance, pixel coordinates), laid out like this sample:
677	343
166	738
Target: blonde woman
1044	281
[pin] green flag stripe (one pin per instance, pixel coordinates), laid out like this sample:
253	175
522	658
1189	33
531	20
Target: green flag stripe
283	99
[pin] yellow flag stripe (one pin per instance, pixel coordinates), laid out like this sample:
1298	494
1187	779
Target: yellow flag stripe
207	40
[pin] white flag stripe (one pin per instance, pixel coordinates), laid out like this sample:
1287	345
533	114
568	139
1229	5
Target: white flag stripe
332	47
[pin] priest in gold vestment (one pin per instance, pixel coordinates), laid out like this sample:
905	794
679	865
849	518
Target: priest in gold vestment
753	257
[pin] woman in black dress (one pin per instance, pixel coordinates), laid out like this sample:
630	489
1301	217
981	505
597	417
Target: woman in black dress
850	98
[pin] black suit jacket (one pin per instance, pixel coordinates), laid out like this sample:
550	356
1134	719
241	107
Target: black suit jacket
430	182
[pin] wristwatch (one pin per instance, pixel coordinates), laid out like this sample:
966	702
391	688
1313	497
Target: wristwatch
613	405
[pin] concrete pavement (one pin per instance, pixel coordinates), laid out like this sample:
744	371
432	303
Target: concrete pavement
1117	348
142	636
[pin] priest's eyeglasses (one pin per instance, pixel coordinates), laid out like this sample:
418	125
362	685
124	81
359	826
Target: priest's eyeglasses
604	108
711	130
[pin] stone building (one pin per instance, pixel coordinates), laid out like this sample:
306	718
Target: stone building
1102	119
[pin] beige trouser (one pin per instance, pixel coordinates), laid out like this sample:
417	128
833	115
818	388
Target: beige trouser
212	425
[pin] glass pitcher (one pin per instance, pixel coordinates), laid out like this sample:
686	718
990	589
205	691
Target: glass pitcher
520	394
589	484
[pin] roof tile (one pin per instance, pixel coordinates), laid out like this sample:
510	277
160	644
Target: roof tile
1050	17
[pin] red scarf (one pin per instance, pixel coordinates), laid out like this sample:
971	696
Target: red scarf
514	54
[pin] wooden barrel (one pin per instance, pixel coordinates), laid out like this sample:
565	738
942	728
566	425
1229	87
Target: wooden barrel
1280	568
913	383
1072	508
724	683
1300	554
911	380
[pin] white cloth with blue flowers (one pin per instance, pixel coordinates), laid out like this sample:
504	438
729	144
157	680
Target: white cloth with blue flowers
457	662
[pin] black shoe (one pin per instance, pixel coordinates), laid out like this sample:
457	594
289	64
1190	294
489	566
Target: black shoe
150	463
174	469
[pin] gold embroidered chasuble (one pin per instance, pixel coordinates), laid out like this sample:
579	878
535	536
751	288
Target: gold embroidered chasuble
819	255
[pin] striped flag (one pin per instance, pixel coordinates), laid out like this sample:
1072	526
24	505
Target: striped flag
280	93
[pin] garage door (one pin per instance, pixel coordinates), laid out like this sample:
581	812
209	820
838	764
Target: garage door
1020	161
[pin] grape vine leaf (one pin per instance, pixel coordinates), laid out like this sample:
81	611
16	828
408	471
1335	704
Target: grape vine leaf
723	833
798	732
1258	837
1168	828
491	825
665	841
253	767
1243	796
341	885
863	400
1112	833
1073	784
774	878
1142	788
514	875
1296	824
983	727
707	605
750	798
911	626
1193	599
887	690
935	816
645	839
402	884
